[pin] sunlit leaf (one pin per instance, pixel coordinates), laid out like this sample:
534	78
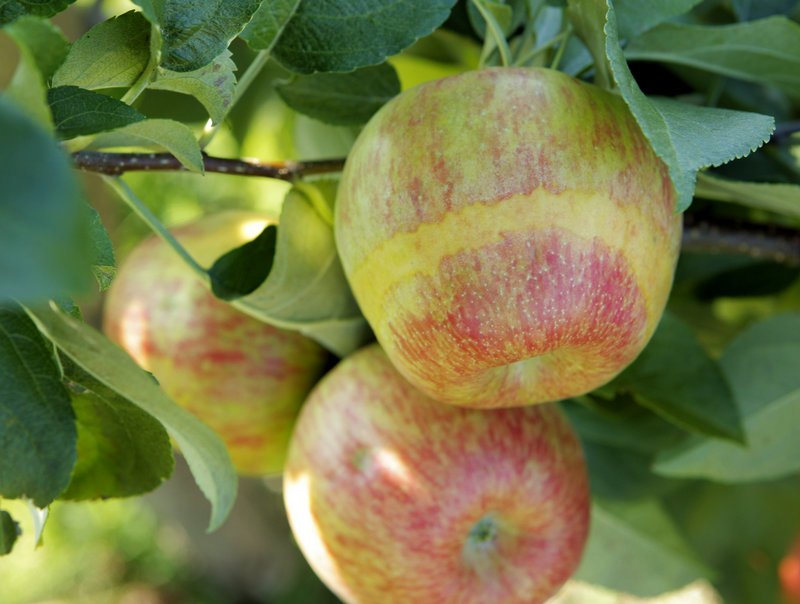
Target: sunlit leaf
763	368
634	547
211	85
122	450
112	54
204	451
156	135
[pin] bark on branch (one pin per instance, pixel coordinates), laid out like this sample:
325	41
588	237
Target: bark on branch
114	164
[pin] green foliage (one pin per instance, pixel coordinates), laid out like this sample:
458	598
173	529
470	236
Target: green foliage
77	111
635	17
111	54
155	135
306	288
242	270
347	99
39	437
122	450
43	227
635	547
766	51
691	450
10	10
268	22
694	394
763	368
212	85
342	36
193	36
9	532
115	370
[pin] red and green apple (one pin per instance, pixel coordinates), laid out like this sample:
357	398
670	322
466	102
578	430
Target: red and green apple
244	378
510	235
396	498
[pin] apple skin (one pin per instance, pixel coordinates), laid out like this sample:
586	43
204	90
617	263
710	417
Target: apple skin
395	498
789	573
244	378
509	234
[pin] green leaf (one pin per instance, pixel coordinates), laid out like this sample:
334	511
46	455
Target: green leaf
676	378
588	19
212	85
766	51
637	16
508	15
112	54
620	439
709	136
38	436
747	10
9	531
742	532
193	34
685	136
345	35
268	22
11	10
155	135
42	49
104	266
635	547
306	289
763	368
204	451
346	99
42	217
242	270
782	198
44	41
622	473
621	422
77	111
122	450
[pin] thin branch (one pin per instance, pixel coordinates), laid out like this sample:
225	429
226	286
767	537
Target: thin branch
766	242
114	164
705	236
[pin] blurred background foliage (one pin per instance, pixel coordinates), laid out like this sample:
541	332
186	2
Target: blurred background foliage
155	549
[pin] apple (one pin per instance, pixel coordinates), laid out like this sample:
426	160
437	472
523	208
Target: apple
244	378
509	234
395	498
789	573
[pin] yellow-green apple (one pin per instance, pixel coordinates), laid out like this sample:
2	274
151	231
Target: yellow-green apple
244	378
509	234
395	497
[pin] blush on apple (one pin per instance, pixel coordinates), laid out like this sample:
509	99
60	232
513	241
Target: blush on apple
244	378
509	234
395	498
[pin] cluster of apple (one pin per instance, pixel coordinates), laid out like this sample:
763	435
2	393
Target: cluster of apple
511	238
